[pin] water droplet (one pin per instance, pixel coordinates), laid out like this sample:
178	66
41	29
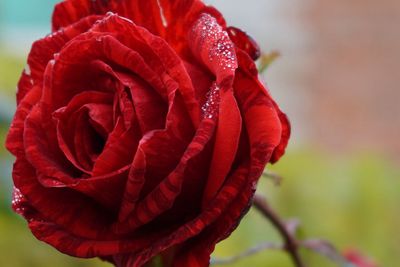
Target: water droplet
163	18
17	201
211	107
221	49
27	70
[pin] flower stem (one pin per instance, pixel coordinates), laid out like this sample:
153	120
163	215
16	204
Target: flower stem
291	245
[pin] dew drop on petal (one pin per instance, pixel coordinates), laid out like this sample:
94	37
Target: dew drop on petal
27	70
211	107
17	201
163	18
221	49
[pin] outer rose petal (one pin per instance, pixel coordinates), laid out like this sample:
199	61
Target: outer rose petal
61	206
247	76
226	196
14	141
211	46
244	42
280	149
263	127
169	19
43	51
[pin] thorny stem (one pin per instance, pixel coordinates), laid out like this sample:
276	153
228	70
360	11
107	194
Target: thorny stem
291	245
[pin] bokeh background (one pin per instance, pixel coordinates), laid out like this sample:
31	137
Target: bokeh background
337	78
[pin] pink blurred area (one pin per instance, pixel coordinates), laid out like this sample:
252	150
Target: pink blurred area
357	65
359	259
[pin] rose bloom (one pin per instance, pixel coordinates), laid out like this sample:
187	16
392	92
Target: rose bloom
141	131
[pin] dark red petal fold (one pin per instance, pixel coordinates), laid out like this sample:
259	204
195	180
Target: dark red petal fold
247	77
193	228
162	151
244	42
15	139
61	205
226	144
97	110
264	132
43	51
118	150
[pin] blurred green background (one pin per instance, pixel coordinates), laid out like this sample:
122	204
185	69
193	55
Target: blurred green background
348	196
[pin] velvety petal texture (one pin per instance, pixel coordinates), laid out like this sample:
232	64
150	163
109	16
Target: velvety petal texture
141	131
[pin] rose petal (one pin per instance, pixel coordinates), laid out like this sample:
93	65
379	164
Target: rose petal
169	19
14	141
104	189
168	58
25	84
263	127
264	133
211	45
96	107
79	60
247	77
151	110
149	107
134	185
118	150
164	194
280	149
41	146
44	49
226	144
69	12
61	205
197	252
82	247
244	42
21	205
225	197
163	150
203	80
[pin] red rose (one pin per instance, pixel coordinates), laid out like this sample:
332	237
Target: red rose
142	132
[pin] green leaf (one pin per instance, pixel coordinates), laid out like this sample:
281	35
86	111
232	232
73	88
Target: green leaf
266	60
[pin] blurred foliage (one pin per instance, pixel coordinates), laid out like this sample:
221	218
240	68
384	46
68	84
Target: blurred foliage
352	201
266	60
10	70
